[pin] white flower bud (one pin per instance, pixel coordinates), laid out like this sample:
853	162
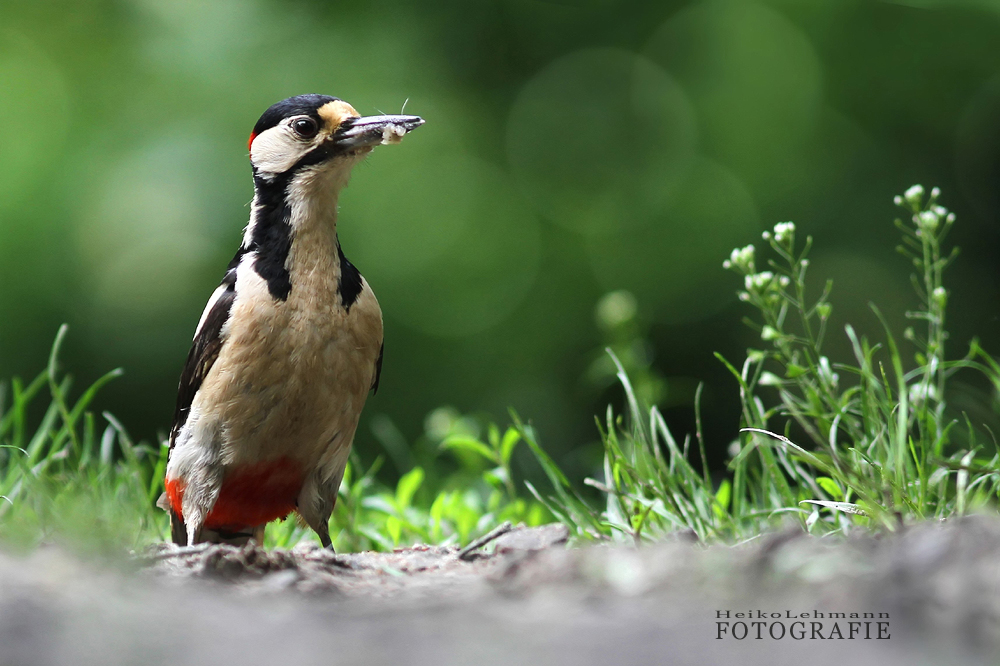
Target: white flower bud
920	392
769	379
742	258
783	230
898	200
928	220
768	333
914	196
827	372
734	448
759	280
935	193
616	308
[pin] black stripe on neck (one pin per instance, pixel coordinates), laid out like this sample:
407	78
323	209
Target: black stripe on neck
350	280
271	237
271	241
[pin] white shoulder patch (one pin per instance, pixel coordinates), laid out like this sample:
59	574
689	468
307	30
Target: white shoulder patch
216	295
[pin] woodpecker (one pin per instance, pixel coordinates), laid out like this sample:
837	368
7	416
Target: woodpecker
288	346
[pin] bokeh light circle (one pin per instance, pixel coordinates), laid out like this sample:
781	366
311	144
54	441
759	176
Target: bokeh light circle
673	262
34	116
756	82
599	138
447	243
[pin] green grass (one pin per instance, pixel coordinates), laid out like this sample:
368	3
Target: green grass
66	477
867	441
864	442
79	478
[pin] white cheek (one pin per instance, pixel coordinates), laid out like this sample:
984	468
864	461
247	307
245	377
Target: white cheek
276	150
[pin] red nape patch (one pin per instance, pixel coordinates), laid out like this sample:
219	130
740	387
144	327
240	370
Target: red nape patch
253	136
255	494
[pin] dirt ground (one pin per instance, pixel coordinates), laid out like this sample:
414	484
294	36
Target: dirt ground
523	599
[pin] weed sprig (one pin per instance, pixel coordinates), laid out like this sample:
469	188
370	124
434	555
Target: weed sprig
879	447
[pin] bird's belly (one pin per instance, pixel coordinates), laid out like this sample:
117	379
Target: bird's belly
298	411
252	494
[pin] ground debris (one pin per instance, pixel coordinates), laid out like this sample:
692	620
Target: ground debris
532	538
494	534
526	600
437	570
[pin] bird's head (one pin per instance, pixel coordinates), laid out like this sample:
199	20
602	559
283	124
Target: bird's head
319	132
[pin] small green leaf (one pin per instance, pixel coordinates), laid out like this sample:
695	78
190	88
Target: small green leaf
407	487
940	474
722	497
792	371
437	508
811	520
510	440
394	528
462	443
496	477
830	487
379	503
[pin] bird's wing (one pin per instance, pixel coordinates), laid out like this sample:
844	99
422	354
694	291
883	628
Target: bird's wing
208	340
378	367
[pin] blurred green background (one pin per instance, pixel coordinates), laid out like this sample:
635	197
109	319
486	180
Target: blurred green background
571	148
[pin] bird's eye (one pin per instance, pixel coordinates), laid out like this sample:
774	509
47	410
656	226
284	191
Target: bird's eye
305	127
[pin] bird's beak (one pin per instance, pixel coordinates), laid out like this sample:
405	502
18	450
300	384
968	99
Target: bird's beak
369	131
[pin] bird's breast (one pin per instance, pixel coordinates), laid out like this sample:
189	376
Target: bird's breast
293	374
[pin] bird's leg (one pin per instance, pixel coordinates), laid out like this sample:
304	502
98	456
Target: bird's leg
319	520
178	531
194	531
315	505
320	524
324	538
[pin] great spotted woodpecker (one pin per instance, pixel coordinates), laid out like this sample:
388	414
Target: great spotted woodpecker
289	344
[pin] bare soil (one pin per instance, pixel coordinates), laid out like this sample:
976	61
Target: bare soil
528	600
